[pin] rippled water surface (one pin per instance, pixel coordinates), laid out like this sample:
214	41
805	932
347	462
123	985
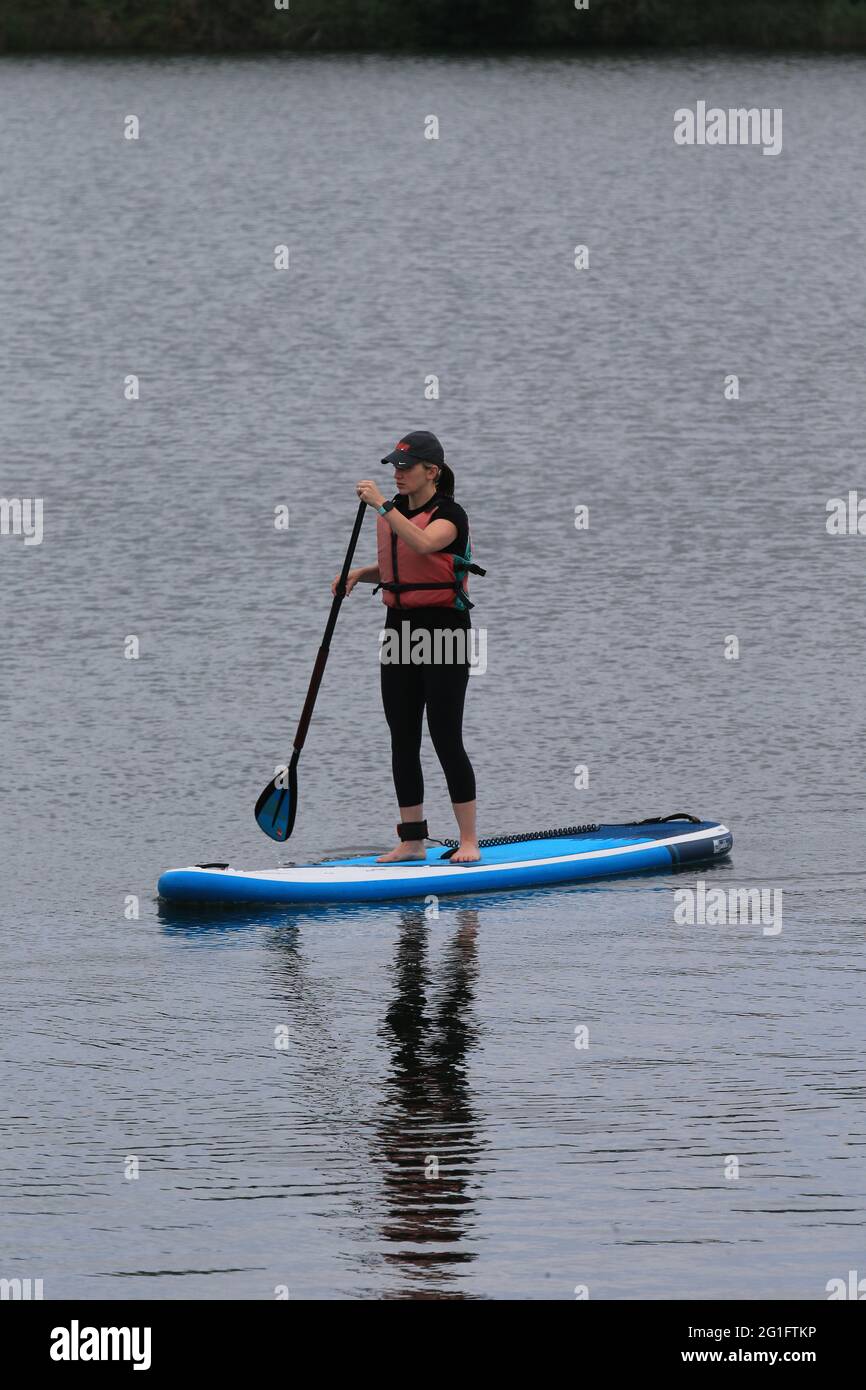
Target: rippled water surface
367	1103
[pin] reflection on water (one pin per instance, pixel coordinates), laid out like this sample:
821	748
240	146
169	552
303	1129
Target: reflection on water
423	1136
427	1138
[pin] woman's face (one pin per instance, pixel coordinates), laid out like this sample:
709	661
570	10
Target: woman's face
412	478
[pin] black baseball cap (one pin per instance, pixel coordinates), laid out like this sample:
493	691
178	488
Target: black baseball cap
419	446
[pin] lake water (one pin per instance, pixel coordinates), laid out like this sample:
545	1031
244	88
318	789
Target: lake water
309	1166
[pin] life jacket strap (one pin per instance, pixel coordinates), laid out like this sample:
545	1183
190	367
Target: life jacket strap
456	585
396	588
467	569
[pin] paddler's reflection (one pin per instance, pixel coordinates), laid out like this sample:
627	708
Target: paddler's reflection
427	1130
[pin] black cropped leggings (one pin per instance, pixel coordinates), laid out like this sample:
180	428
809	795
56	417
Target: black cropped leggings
406	690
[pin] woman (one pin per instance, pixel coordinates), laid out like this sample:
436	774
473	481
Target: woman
424	559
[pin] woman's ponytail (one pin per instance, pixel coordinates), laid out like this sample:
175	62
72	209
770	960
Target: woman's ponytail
445	481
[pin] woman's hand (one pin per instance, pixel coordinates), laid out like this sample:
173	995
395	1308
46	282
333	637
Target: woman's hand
369	493
352	579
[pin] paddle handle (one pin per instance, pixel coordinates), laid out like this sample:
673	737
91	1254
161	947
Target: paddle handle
322	655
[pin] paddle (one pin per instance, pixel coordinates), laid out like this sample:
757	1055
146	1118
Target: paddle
278	803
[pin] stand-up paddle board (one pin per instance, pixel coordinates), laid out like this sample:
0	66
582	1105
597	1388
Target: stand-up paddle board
570	855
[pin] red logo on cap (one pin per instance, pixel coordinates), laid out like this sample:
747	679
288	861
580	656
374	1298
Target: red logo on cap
405	447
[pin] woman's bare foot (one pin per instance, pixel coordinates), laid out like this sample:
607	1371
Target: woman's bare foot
407	849
468	853
464	814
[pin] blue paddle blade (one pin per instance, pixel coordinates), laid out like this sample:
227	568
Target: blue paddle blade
276	807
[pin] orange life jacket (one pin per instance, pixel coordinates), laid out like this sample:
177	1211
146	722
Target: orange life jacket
410	580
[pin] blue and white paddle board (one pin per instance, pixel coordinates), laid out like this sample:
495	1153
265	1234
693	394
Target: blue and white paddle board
550	857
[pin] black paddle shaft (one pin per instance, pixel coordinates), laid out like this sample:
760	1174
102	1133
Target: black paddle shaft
322	655
277	806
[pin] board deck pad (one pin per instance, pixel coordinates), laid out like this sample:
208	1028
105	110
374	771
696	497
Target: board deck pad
553	858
